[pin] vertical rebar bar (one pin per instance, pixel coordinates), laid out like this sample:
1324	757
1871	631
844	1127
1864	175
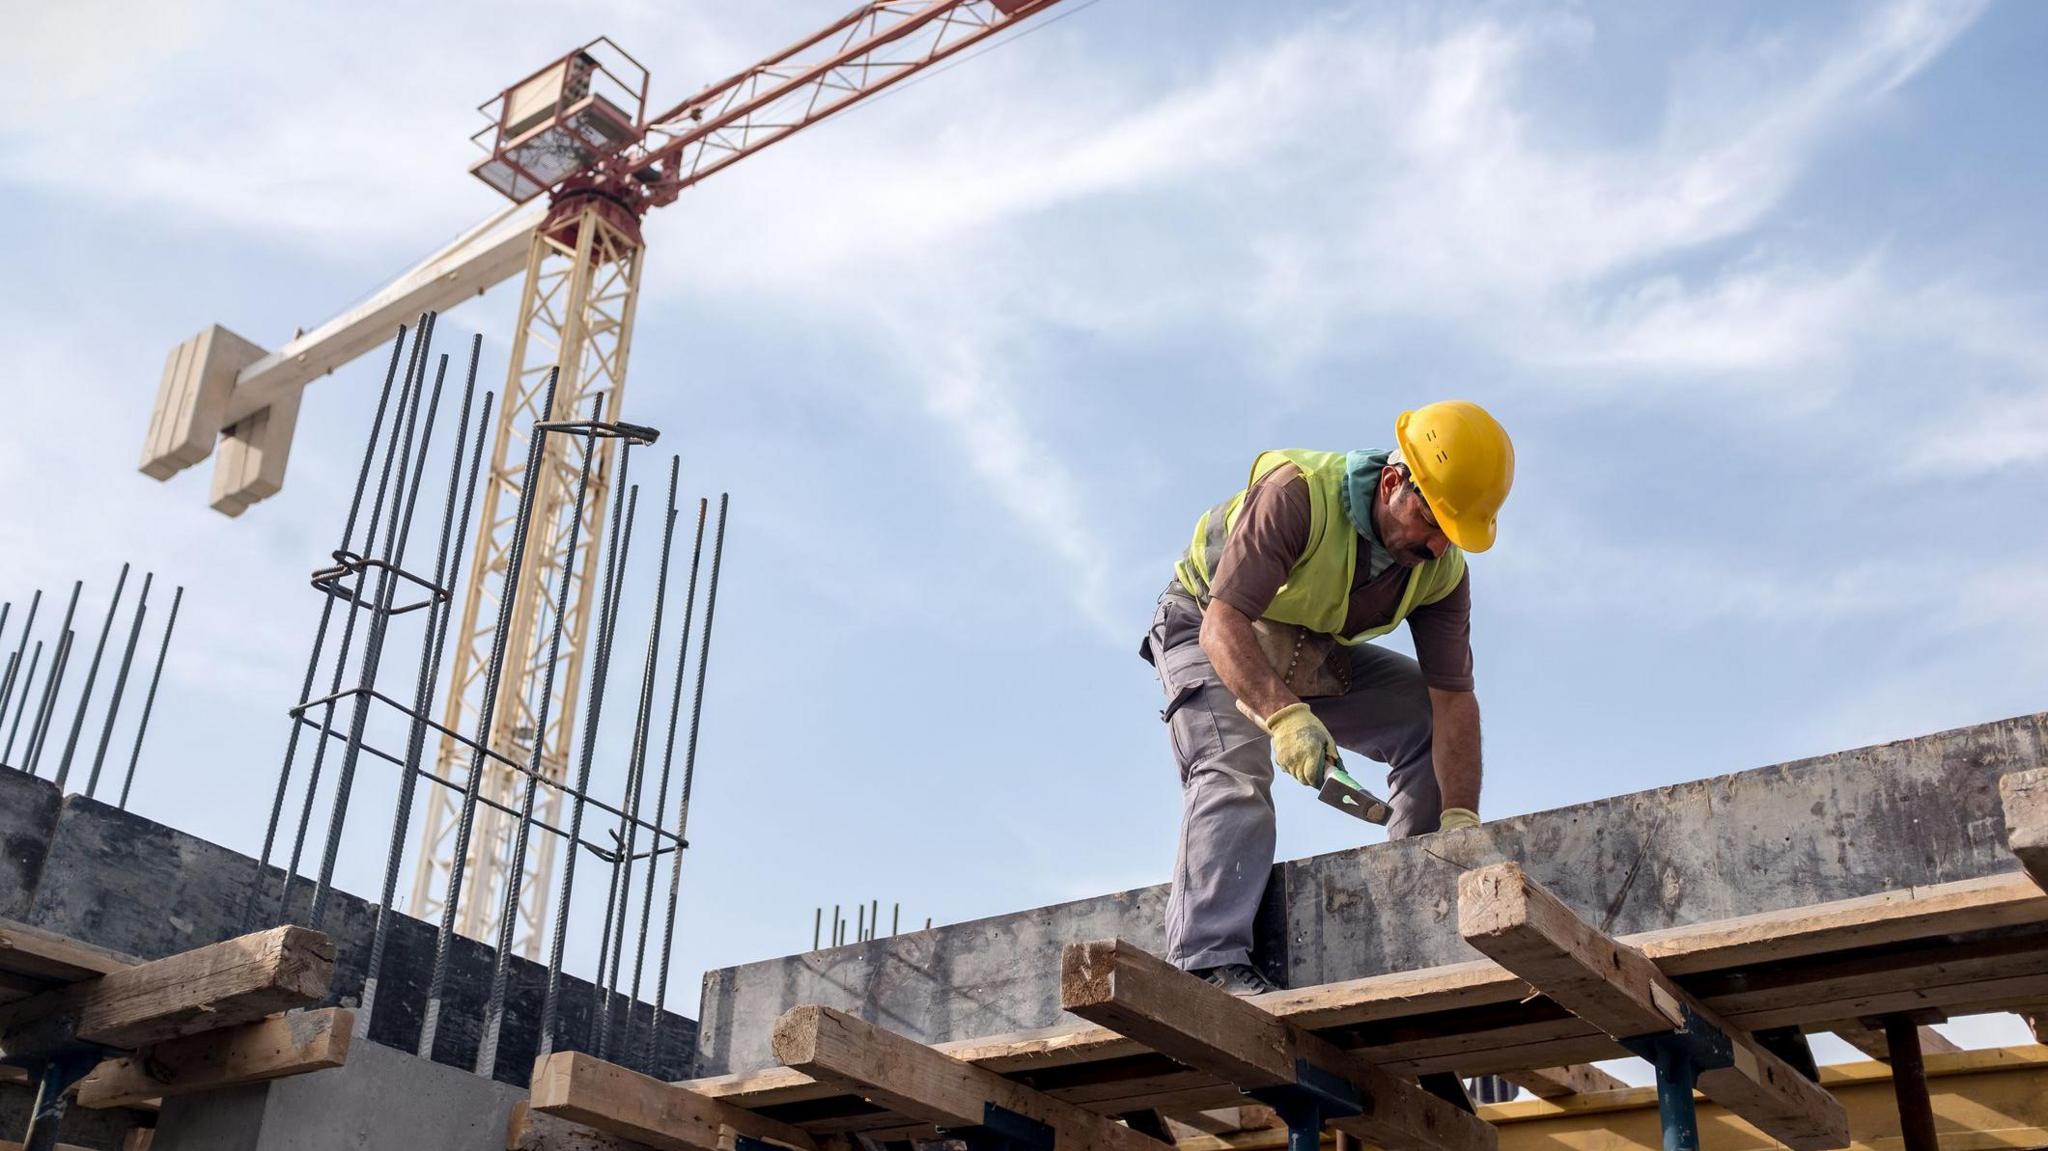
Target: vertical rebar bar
149	701
34	752
817	925
291	746
601	1003
675	709
99	755
668	753
515	558
441	607
34	661
396	535
40	732
402	429
636	770
689	770
508	916
625	503
20	651
401	423
92	674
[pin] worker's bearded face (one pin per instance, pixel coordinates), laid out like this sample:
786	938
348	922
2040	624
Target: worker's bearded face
1407	529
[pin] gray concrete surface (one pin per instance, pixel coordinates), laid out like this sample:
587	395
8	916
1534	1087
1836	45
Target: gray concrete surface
381	1100
1833	827
110	877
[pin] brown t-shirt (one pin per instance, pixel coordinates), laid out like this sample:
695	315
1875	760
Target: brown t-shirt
1271	536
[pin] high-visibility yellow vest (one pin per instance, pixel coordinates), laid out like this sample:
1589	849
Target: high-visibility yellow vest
1317	594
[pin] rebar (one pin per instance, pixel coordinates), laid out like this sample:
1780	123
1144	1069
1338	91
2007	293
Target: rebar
689	773
434	633
396	535
149	701
33	662
602	1003
99	755
21	650
92	674
508	918
636	768
493	671
593	710
291	747
668	751
40	731
409	406
34	752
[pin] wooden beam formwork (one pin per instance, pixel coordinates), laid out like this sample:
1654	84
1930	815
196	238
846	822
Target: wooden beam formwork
1525	929
289	1044
1122	987
235	981
2025	796
924	1085
1983	1100
1867	1036
1808	966
1558	1082
584	1089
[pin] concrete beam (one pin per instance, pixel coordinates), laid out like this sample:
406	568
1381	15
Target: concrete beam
87	871
1854	823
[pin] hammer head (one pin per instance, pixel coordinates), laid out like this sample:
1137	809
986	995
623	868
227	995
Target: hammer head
1342	792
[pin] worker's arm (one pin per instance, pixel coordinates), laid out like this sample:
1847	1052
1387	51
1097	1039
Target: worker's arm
1234	652
1454	722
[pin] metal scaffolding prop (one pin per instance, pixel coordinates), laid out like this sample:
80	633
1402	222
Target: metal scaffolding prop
41	706
493	780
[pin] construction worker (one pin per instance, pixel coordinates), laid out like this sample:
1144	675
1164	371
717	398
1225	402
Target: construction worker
1260	645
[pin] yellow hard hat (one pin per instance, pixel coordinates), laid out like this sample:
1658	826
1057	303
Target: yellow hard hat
1464	463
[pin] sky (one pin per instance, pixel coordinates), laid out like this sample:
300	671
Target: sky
1756	288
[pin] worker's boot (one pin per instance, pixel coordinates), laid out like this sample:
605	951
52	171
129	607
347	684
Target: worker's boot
1240	979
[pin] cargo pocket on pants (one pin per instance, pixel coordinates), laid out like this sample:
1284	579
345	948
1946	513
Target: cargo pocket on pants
1190	723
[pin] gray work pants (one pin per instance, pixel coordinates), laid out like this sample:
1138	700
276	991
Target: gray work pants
1226	776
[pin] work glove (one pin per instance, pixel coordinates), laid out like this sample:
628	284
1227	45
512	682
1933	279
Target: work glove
1454	818
1302	746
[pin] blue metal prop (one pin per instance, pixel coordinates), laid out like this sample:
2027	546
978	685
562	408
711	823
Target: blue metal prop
1679	1057
1314	1097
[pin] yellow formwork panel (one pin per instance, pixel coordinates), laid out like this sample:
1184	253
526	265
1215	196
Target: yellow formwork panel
1983	1100
1995	1098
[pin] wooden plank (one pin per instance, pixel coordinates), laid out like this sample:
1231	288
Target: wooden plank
289	1044
919	1082
1437	999
529	1130
2025	796
1121	987
1869	1039
138	1139
1558	1082
584	1089
236	981
1505	914
1982	1100
39	954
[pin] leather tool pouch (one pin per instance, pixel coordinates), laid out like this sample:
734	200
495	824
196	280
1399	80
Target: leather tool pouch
1312	665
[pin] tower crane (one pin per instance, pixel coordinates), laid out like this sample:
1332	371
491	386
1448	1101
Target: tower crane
573	149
